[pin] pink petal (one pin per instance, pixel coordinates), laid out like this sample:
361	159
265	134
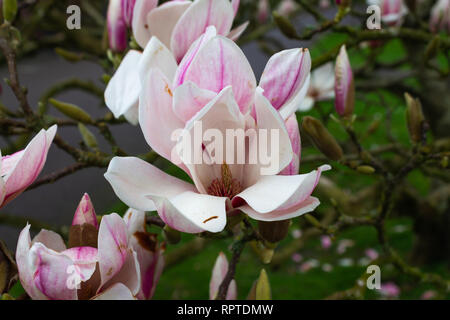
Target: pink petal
22	168
200	15
188	99
116	292
156	116
139	22
141	185
50	239
221	63
294	135
162	20
51	272
198	44
112	246
308	205
280	152
191	212
285	77
133	179
122	92
156	55
24	267
275	193
220	114
117	28
218	275
238	31
151	261
85	259
85	212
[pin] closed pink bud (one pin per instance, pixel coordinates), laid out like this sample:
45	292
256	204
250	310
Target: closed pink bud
344	87
85	212
117	28
287	7
263	11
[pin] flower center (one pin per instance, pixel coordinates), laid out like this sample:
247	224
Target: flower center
225	186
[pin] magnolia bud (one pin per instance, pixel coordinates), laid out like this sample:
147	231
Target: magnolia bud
344	86
88	138
9	9
263	11
414	117
172	236
117	27
285	26
321	138
365	169
262	291
68	55
274	231
261	288
72	111
84	229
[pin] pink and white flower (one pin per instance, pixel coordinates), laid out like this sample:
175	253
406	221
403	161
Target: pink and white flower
123	266
19	170
440	16
215	85
287	7
393	12
218	275
263	11
321	87
177	24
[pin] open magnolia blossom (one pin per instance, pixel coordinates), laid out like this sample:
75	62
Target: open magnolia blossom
177	24
321	87
19	170
440	16
392	11
126	265
214	85
219	272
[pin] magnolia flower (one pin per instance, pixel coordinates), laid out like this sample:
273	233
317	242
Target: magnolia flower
344	86
326	242
392	11
214	85
218	275
287	7
177	24
440	16
124	266
19	170
389	290
321	87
